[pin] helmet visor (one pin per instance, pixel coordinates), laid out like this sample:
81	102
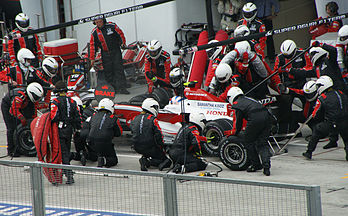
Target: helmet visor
52	71
174	79
249	15
23	23
310	96
221	79
343	38
35	97
154	54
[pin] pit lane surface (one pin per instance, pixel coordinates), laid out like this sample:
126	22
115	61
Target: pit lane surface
328	168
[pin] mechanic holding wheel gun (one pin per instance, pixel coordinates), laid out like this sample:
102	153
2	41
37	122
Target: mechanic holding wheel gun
257	130
157	66
17	106
186	149
65	112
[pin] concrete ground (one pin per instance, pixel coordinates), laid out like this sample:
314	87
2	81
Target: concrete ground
328	168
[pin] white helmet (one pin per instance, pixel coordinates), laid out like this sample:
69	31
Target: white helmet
106	104
176	76
242	47
78	101
197	119
214	51
22	22
343	35
223	72
154	48
288	48
150	105
233	93
316	53
310	90
323	83
249	11
34	91
23	55
241	30
50	66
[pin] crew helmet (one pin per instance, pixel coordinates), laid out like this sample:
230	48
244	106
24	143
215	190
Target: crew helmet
316	53
22	22
310	90
343	35
154	48
214	51
223	72
198	119
25	56
50	66
150	105
241	30
34	91
288	48
106	104
323	83
233	93
249	11
176	76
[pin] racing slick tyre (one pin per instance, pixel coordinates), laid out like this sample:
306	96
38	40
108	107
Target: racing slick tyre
24	141
138	99
162	96
233	154
214	131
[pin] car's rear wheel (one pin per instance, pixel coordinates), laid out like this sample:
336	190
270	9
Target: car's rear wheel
24	141
233	154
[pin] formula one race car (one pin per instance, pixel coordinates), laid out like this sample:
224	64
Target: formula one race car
217	113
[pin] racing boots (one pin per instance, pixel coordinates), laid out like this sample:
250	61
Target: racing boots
266	171
330	145
307	155
83	158
101	161
165	164
144	163
253	168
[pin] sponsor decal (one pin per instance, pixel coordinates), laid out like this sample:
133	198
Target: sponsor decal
104	91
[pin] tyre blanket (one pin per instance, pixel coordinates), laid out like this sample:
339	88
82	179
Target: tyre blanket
46	140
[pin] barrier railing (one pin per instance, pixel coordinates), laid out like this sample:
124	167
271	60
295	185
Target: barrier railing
101	191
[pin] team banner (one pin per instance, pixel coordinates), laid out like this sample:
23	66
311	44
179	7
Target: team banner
262	34
91	18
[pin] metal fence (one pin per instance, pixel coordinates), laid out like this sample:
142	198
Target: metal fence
101	191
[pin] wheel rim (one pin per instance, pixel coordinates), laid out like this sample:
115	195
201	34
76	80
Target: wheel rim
213	138
26	141
234	153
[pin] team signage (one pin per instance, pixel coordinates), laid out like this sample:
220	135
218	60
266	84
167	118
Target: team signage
104	91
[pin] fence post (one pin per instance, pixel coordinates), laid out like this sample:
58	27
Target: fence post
37	190
314	201
170	196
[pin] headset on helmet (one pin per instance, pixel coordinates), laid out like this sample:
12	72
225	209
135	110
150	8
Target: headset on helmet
343	35
317	53
50	66
288	48
150	105
223	72
34	91
214	51
198	119
176	76
310	90
154	48
22	22
25	56
106	104
241	30
323	83
249	11
233	93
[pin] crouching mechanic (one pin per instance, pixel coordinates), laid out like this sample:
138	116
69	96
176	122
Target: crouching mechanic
17	107
332	110
65	112
147	137
257	130
186	149
104	125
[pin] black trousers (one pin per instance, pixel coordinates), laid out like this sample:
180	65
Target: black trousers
154	153
11	125
113	72
106	149
324	129
191	162
255	140
81	146
269	42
